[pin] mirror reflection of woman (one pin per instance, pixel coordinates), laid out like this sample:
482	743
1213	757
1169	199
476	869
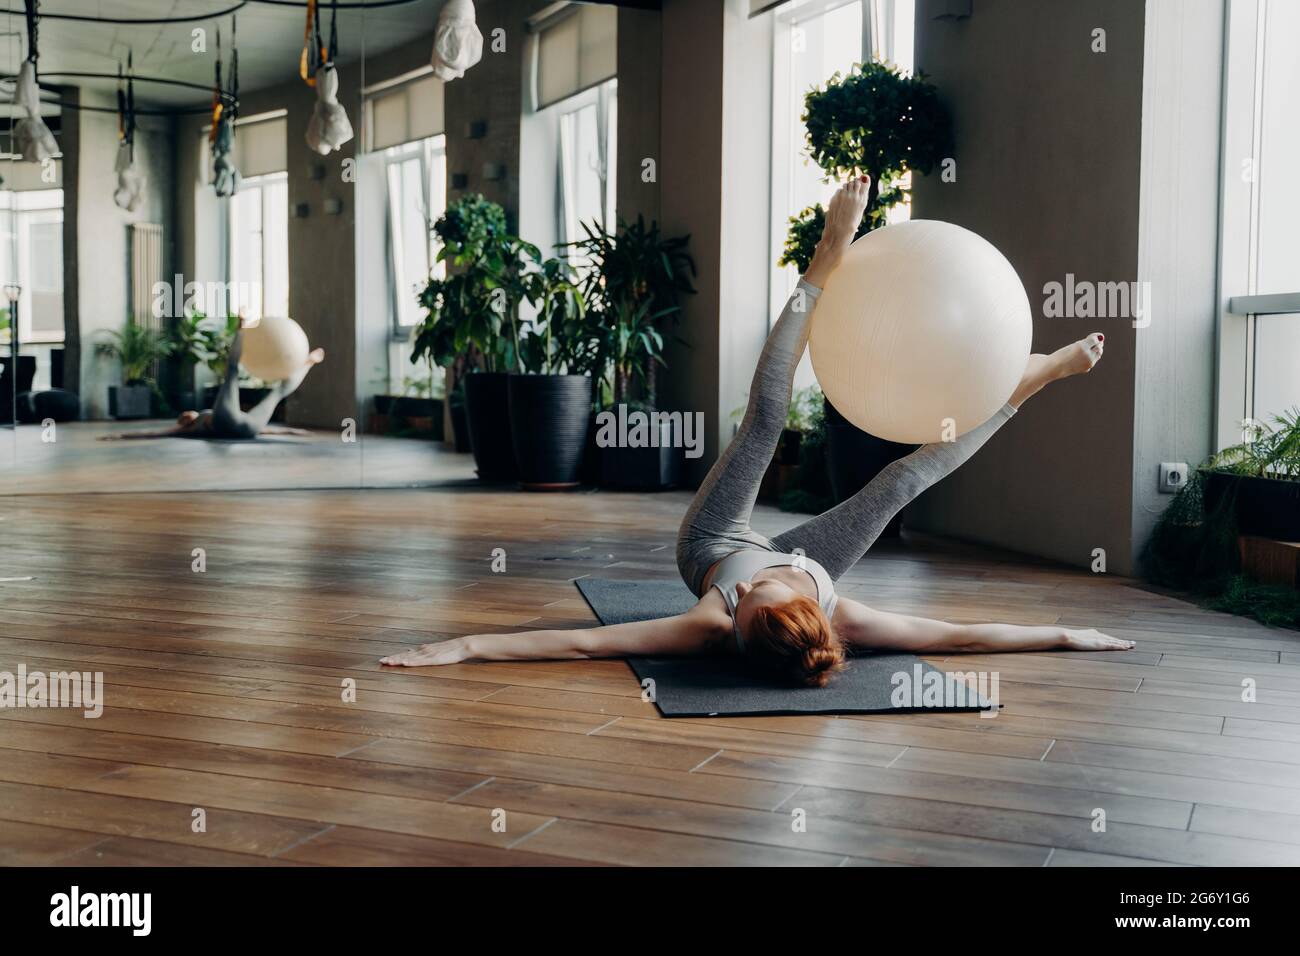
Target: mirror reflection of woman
226	419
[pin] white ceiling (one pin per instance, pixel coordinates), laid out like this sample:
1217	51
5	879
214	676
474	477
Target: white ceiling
270	41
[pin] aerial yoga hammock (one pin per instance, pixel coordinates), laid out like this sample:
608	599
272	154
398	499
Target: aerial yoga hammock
328	128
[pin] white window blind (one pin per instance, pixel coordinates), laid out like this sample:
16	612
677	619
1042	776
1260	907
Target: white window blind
406	113
260	147
576	49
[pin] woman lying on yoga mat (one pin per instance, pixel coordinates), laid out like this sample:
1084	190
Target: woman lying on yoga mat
773	601
226	419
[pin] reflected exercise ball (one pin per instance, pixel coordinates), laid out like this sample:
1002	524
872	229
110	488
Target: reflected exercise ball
274	349
922	332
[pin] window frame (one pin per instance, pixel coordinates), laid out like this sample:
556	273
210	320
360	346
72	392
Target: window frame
24	208
426	151
1241	303
228	237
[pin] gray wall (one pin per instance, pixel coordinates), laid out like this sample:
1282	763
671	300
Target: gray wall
640	49
1174	404
1048	138
714	170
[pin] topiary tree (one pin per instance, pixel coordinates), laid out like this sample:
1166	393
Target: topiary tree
875	121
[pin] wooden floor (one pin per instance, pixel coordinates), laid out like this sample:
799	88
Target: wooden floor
224	692
77	462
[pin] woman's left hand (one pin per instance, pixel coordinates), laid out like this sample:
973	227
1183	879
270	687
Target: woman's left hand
444	652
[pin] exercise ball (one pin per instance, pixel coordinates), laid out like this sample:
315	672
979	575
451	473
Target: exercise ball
274	349
921	333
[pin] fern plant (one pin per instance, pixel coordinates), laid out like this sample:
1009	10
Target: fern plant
1265	452
138	348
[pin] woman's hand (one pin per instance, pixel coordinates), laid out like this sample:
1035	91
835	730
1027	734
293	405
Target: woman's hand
843	217
453	651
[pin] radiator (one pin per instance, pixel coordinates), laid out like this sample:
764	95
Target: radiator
146	272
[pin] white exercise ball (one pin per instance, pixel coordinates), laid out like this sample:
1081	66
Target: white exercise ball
921	333
274	349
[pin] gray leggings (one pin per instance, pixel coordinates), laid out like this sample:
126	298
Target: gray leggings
717	522
232	422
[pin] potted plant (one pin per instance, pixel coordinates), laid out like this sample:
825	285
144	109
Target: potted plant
200	340
138	349
414	413
880	122
1207	541
465	326
1259	479
550	396
633	280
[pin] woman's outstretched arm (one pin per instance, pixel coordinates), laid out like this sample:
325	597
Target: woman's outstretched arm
865	628
694	632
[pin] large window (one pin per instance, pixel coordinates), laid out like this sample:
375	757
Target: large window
588	138
814	40
417	195
1259	362
259	246
31	256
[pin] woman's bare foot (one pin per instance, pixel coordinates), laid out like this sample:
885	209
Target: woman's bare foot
1090	640
843	217
1073	359
316	356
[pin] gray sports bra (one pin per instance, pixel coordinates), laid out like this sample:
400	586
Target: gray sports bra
743	565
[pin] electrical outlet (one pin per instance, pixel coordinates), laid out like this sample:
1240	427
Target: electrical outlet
1173	477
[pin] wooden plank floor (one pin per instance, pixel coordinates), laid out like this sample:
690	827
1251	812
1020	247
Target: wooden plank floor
78	462
224	690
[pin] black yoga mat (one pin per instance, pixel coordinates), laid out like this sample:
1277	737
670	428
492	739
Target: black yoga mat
708	687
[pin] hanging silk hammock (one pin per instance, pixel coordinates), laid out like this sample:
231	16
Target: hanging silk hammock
225	176
329	128
33	140
457	42
131	181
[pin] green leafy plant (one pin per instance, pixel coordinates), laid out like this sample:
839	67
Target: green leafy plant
200	340
806	412
137	348
472	312
1193	547
560	337
1266	451
812	494
632	282
467	227
877	121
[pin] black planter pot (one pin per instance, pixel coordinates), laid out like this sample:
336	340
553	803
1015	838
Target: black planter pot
460	429
854	457
787	452
129	401
549	415
642	469
1266	507
487	419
